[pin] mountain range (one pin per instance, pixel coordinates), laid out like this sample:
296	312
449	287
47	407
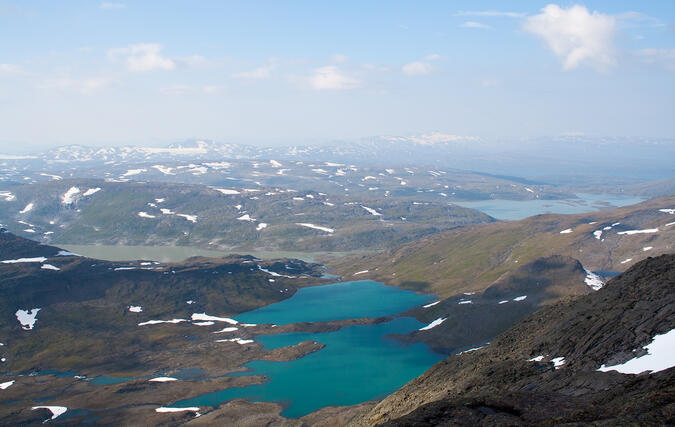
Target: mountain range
638	158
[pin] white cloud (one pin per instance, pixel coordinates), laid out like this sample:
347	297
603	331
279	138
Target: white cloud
112	6
490	13
9	69
373	67
331	77
576	35
175	90
634	19
433	57
338	58
417	68
665	57
190	61
474	24
85	86
93	84
142	57
259	73
211	89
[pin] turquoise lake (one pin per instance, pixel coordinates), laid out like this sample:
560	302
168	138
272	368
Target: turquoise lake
519	209
359	363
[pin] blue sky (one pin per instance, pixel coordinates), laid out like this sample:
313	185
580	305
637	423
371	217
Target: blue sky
273	72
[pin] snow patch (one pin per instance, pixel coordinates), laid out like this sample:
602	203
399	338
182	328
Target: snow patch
228	329
27	318
54	177
431	304
50	267
66	253
558	362
645	231
433	324
8	196
56	410
237	340
593	281
371	211
164	169
191	218
162	379
29	207
156	322
470	350
261	226
206	317
227	191
69	196
135	308
316	227
20	260
520	298
660	356
132	172
164	409
3	386
91	191
145	215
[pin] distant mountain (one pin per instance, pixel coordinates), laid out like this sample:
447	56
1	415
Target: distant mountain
471	258
225	217
642	158
560	366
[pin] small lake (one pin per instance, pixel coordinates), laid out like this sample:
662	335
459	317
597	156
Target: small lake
515	209
359	363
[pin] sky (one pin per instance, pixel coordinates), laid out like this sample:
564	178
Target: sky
293	72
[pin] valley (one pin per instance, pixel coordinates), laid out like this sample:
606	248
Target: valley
201	292
337	213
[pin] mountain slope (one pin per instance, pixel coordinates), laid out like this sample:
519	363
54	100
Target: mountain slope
544	370
471	258
83	319
138	213
470	320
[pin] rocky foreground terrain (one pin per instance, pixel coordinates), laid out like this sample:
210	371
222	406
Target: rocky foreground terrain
551	368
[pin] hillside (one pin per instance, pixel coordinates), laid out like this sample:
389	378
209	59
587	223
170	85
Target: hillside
225	218
471	258
546	369
84	303
469	320
97	333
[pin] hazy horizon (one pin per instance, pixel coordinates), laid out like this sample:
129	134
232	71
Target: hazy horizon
267	73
